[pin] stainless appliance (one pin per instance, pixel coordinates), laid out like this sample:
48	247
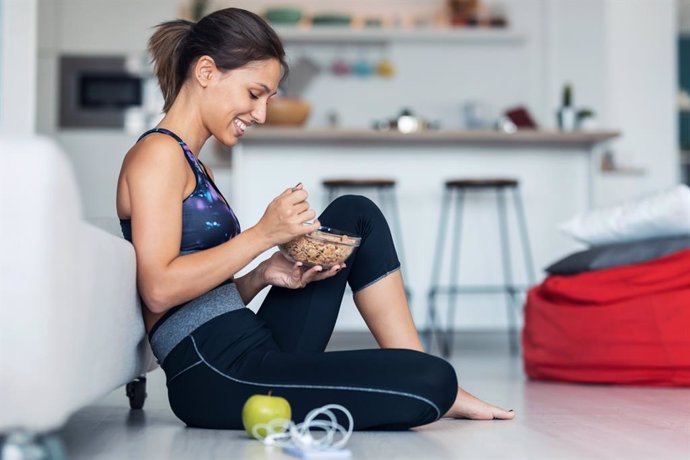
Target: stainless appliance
104	91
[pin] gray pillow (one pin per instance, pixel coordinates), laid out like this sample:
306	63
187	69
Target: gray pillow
614	255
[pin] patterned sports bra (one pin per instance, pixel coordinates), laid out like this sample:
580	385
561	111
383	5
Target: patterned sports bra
207	219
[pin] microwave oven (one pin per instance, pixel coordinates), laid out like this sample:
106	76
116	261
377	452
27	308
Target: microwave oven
103	91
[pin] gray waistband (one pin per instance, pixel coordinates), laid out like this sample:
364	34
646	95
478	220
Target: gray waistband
186	319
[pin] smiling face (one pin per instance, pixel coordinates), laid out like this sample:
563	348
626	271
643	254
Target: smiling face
236	99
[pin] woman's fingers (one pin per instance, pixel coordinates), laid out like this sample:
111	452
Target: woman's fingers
300	277
312	275
309	275
289	190
307	213
297	274
303	227
295	206
299	208
296	196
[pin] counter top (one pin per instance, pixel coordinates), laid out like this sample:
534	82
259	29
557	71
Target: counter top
271	135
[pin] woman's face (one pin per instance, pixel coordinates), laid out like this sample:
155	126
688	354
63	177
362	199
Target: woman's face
236	99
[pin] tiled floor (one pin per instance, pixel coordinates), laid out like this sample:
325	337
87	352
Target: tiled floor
554	421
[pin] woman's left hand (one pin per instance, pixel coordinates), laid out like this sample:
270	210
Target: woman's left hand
278	271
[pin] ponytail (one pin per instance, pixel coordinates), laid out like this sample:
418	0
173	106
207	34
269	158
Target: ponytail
166	47
232	37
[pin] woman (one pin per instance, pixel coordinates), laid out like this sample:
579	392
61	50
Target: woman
217	77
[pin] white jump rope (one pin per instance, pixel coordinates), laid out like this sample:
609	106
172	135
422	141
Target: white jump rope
285	433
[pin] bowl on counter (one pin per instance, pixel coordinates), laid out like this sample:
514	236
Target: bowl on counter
325	246
287	111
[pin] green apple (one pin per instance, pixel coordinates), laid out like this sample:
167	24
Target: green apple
263	409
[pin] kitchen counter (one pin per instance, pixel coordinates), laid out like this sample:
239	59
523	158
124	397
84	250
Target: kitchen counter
559	175
525	137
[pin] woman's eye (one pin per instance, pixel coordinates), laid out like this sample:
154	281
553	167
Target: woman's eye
253	96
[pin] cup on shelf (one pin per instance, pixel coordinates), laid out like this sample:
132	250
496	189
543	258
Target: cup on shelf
385	68
340	67
362	68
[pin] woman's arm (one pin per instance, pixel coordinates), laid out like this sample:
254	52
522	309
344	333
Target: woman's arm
156	179
251	284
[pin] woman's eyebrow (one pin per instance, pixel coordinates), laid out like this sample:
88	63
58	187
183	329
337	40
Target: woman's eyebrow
267	89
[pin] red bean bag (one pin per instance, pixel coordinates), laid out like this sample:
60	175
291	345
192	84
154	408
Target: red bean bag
623	325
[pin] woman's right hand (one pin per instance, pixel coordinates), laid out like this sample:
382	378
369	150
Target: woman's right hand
286	216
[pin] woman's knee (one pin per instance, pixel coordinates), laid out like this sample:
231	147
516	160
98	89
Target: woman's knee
353	209
434	381
355	203
442	383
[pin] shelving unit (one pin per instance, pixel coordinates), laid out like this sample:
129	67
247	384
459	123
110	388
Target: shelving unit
339	34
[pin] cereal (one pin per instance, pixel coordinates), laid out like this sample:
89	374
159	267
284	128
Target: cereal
320	248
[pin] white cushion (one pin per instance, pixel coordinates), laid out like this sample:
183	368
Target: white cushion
665	213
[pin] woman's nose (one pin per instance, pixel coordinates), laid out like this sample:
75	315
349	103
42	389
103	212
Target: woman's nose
259	113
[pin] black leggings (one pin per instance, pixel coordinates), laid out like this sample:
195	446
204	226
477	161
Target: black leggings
212	372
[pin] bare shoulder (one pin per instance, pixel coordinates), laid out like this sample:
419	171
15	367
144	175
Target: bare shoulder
155	165
155	153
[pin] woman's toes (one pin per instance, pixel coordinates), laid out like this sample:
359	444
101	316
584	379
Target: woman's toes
502	414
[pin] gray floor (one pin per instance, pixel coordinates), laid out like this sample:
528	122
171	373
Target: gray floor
554	421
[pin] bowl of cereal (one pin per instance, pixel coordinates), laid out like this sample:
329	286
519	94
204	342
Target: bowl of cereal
325	246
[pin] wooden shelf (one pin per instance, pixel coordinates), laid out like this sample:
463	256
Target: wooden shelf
626	171
343	34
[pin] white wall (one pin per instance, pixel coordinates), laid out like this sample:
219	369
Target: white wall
92	27
618	54
18	18
640	90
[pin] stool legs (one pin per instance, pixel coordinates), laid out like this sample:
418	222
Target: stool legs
454	272
390	205
432	328
522	222
508	285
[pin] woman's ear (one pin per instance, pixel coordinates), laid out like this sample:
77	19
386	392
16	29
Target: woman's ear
204	70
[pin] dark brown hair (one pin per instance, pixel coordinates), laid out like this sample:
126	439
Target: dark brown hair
232	37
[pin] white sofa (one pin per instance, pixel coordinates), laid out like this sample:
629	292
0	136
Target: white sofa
70	323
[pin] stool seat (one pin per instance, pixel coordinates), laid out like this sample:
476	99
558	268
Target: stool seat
482	183
359	182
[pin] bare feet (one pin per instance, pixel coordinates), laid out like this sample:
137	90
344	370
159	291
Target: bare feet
468	406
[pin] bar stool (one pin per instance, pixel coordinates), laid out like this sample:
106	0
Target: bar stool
384	195
456	190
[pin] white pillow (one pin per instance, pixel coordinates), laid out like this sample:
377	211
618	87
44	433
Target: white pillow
665	213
